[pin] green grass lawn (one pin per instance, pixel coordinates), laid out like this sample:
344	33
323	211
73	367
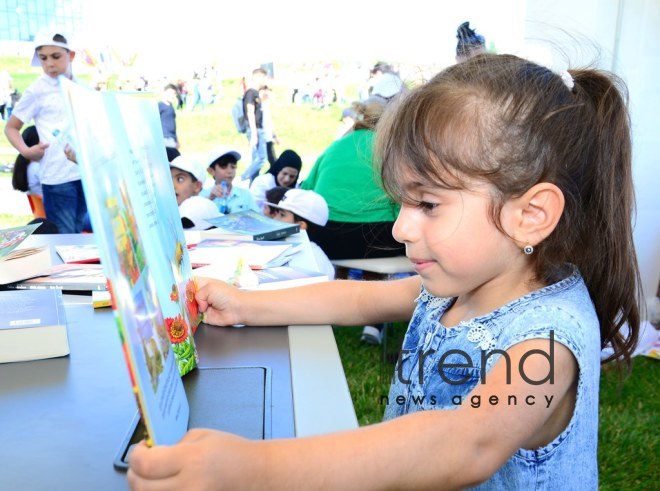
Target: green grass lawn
301	127
629	432
9	220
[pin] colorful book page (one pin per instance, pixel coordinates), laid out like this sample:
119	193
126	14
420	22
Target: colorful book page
132	207
10	238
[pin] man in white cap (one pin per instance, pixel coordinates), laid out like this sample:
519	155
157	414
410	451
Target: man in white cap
64	201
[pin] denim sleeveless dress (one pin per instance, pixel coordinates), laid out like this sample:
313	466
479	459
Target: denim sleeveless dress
563	308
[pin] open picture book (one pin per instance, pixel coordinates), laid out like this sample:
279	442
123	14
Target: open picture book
125	173
16	263
256	254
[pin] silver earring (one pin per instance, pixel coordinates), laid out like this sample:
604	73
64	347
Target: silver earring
528	249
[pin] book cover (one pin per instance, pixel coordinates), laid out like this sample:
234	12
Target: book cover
248	225
32	325
70	277
137	227
78	254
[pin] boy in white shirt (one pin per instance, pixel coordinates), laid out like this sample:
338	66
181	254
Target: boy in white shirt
63	197
309	210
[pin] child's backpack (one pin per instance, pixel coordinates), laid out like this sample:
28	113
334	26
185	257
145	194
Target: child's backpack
237	114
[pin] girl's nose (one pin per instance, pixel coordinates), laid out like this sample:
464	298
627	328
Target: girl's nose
404	229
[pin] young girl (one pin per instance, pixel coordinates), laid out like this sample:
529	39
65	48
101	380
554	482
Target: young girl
25	175
516	193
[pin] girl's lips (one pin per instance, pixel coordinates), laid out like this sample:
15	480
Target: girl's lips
421	264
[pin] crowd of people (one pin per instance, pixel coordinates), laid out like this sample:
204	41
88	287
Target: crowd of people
489	177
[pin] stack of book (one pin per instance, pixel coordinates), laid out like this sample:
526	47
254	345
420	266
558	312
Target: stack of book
68	277
32	326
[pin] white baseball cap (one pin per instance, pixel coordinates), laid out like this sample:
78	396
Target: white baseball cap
48	39
220	151
306	204
190	165
198	209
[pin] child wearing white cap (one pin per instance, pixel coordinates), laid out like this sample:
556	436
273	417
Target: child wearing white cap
309	210
188	176
222	162
64	201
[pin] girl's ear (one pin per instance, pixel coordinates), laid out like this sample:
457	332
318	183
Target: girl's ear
303	224
534	215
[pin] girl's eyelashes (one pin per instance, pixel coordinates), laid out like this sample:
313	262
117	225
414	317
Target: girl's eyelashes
427	206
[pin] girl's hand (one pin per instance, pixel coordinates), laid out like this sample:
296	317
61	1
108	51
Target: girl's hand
36	152
219	302
203	459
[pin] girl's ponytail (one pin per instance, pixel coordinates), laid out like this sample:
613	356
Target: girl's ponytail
19	179
606	254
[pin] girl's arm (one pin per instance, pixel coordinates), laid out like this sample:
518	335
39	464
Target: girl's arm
425	450
332	302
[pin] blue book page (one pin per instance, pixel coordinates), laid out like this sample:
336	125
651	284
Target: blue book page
121	214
